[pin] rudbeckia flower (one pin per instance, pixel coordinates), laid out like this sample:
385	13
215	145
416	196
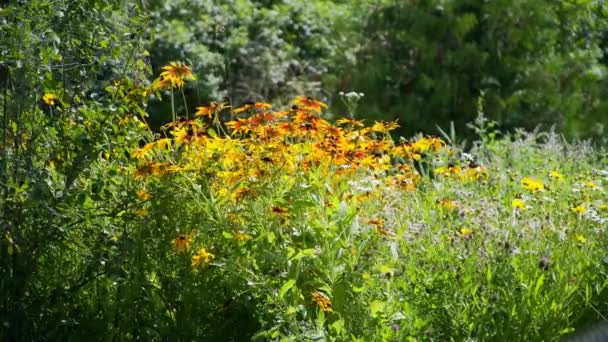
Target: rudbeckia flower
173	76
308	103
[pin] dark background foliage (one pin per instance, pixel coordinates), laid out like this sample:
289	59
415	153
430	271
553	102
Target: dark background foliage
424	62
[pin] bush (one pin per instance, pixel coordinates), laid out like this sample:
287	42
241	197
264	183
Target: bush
72	91
535	62
244	50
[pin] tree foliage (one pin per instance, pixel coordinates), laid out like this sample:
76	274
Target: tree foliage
533	62
71	71
244	50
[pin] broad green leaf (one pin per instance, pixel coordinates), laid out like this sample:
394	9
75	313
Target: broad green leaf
310	252
376	307
286	287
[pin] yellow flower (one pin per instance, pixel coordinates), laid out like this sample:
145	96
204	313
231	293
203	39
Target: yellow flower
592	185
143	195
239	126
50	99
282	213
579	209
163	144
532	184
556	175
518	204
322	300
580	238
173	76
243	108
183	241
351	122
262	106
467	233
212	108
448	170
239	236
202	257
448	205
308	103
141	212
425	144
384	127
475	172
142	153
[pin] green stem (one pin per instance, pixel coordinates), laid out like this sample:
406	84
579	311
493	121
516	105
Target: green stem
185	104
173	106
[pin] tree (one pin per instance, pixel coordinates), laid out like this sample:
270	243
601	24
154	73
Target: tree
536	62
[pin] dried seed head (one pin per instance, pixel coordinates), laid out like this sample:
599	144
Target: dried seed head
544	263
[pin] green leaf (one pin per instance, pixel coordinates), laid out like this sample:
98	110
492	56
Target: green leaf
338	327
310	252
286	287
271	237
339	295
376	307
384	269
539	283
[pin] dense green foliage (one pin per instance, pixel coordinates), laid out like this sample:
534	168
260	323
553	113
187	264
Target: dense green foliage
424	62
284	225
57	197
244	50
536	62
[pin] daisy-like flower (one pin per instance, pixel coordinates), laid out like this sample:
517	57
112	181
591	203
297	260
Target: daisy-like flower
211	109
202	257
378	224
240	126
466	233
580	238
183	241
141	212
282	213
426	144
518	204
475	172
322	300
143	195
384	127
262	106
351	122
240	236
556	175
447	170
50	99
243	108
532	184
447	205
173	76
140	153
591	185
579	209
308	103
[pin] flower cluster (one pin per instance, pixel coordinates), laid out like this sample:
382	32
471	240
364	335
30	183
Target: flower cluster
260	144
322	301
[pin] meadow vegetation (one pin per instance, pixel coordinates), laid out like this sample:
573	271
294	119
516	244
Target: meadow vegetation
286	221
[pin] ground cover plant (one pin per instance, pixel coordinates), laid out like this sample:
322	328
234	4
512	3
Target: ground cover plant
277	224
